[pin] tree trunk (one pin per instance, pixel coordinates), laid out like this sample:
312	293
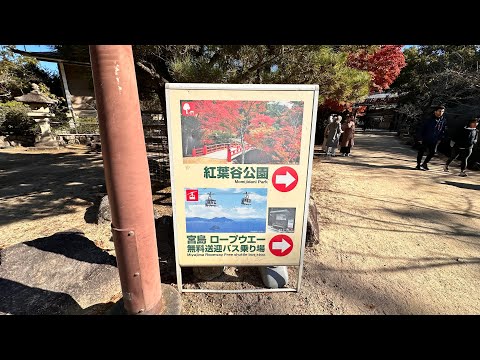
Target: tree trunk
163	101
313	230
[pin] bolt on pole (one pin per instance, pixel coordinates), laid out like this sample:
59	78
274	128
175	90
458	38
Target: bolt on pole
127	177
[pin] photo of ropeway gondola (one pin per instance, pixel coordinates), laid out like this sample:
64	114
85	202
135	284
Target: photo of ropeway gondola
227	210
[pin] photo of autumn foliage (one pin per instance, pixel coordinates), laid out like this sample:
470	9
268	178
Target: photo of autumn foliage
241	132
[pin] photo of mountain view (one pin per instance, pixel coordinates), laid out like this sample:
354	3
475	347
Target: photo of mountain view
227	211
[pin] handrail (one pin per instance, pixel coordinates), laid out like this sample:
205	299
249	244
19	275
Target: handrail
234	148
76	134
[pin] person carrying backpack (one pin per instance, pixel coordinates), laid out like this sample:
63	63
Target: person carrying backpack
463	142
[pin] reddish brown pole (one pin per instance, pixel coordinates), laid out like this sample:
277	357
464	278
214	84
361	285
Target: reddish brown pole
127	177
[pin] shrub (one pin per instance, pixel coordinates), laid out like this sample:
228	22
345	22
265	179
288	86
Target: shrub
87	125
14	119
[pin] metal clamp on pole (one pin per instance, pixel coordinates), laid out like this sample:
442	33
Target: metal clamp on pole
126	243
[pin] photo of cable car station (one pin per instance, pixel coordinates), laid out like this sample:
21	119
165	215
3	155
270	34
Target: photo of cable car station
281	220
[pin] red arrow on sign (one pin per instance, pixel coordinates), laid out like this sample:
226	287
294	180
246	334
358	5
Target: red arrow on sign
285	179
280	245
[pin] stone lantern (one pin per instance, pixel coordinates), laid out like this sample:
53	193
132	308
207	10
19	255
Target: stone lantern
41	114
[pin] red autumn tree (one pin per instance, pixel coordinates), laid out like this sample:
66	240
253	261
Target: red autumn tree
262	133
228	117
251	123
279	134
383	64
287	148
334	105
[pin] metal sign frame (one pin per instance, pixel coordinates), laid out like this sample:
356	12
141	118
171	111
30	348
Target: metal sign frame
243	87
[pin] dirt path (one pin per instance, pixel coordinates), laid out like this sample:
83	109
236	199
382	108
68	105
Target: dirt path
393	240
396	240
45	191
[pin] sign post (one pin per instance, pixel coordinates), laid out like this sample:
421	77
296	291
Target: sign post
240	164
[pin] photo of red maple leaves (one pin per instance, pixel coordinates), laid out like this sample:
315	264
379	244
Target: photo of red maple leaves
241	132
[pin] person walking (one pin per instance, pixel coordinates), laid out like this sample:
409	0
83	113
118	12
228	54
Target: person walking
430	132
325	133
348	136
334	131
366	123
463	143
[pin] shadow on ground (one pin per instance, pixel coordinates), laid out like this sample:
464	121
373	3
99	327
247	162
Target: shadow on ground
74	245
373	166
462	185
39	185
20	299
243	274
65	273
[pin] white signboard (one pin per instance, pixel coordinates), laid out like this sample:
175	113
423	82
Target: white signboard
240	161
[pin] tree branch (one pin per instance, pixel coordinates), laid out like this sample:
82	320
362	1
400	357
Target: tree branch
151	71
254	68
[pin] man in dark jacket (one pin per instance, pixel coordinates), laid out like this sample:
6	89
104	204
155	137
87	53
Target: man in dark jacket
463	144
430	133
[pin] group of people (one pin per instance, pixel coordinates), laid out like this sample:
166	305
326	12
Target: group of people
339	133
434	129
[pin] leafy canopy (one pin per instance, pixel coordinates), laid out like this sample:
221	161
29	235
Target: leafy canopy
343	76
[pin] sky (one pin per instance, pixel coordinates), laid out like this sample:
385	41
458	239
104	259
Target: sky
47	65
229	204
